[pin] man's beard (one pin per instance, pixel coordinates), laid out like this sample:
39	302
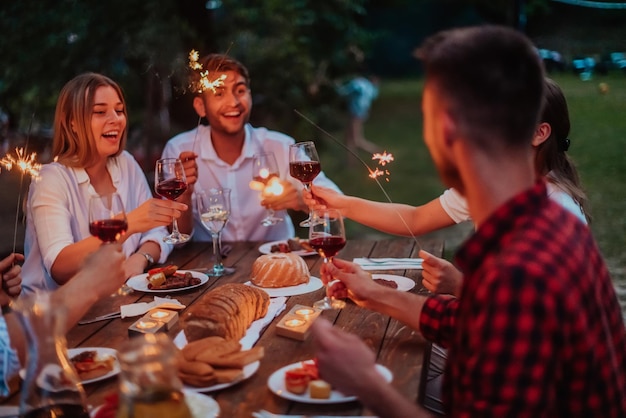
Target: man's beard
450	175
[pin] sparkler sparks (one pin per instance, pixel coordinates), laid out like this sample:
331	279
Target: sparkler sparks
26	164
204	83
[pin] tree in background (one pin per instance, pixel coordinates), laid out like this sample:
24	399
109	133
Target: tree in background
293	49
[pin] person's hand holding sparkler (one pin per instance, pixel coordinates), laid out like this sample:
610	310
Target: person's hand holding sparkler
191	171
11	276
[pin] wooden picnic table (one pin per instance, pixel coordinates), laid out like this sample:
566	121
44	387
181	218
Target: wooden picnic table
398	347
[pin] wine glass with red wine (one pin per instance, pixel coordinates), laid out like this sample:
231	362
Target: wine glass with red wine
304	165
107	218
327	236
265	172
170	182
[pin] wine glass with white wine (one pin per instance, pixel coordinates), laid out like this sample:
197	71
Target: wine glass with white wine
214	210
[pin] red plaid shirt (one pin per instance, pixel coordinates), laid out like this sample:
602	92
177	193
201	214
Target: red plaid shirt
538	330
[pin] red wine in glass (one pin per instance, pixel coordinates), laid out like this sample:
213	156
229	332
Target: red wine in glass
304	165
107	218
327	247
327	235
108	230
305	171
171	189
170	182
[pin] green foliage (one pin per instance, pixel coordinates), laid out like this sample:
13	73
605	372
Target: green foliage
294	50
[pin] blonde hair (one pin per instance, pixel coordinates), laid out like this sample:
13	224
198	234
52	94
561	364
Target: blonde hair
74	144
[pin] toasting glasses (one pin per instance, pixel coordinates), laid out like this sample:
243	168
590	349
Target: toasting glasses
304	165
214	210
327	236
265	171
170	182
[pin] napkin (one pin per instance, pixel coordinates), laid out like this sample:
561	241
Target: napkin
389	263
277	305
140	308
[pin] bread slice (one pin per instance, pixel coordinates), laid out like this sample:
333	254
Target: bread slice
238	359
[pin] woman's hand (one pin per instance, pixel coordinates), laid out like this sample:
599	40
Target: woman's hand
153	213
320	198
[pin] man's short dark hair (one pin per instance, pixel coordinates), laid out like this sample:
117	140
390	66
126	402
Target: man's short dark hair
491	79
221	63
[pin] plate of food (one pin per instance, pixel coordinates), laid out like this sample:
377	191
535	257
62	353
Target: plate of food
214	363
401	283
92	364
166	280
274	292
200	406
300	382
248	371
296	246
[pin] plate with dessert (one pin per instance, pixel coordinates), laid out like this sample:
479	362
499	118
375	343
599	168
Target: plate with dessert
166	280
92	364
300	382
296	246
283	274
401	283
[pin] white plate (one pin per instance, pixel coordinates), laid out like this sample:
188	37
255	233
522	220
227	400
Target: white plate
201	406
404	283
101	352
274	292
267	249
276	383
140	282
248	371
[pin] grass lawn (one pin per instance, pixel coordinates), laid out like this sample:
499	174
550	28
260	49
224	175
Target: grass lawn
598	138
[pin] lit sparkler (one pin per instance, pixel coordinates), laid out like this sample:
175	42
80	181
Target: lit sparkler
383	159
26	165
205	83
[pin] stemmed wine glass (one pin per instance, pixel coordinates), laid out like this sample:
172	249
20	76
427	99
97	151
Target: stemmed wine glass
265	172
170	182
304	165
214	210
107	218
107	221
327	236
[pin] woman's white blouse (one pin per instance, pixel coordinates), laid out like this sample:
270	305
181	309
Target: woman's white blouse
58	215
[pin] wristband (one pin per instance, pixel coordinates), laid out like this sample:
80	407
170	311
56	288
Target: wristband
148	258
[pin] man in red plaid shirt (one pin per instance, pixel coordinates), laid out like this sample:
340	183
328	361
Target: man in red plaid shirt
537	330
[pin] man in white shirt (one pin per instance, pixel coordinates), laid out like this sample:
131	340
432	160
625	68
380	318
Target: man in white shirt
220	156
